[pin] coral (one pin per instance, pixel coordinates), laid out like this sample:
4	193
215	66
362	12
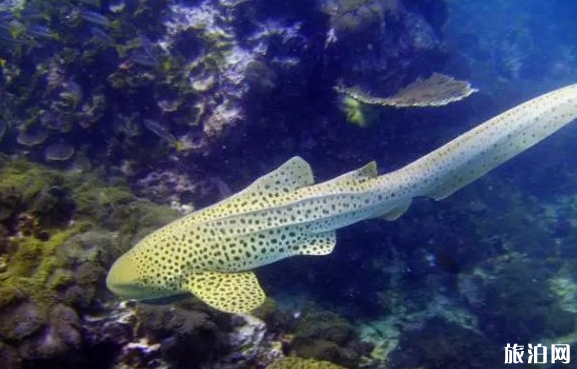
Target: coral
21	183
436	90
54	260
166	186
398	34
440	344
513	286
187	335
85	258
300	363
95	197
250	342
183	333
211	73
276	319
355	16
30	266
26	319
326	336
59	337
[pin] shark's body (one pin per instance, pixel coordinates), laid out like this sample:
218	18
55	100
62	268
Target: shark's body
211	252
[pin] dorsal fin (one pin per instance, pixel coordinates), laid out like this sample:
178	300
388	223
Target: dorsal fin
293	174
351	179
265	191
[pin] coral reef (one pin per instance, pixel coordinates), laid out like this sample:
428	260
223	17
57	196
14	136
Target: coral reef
151	335
440	344
396	32
54	258
143	84
300	363
326	336
518	284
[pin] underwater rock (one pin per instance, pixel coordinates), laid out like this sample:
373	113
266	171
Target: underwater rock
59	338
24	320
249	343
53	206
326	336
38	317
211	71
147	335
9	357
398	35
511	287
185	334
167	187
85	258
112	339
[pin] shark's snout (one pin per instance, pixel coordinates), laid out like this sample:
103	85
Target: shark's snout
121	279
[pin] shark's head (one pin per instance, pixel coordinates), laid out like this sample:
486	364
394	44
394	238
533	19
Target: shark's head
127	280
122	279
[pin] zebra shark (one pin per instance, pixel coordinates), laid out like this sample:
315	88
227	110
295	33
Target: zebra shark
212	252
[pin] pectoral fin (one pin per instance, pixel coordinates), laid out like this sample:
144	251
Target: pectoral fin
228	292
318	244
396	212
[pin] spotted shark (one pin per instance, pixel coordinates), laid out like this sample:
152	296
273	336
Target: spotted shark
212	252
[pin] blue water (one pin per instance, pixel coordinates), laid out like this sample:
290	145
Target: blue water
183	103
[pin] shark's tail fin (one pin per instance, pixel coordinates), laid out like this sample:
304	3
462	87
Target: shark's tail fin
473	154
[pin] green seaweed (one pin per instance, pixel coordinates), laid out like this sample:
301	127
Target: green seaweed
21	181
326	336
31	265
34	268
95	198
301	363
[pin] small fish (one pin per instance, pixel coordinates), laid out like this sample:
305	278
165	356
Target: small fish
101	36
146	44
145	59
40	31
147	56
160	130
94	18
212	252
